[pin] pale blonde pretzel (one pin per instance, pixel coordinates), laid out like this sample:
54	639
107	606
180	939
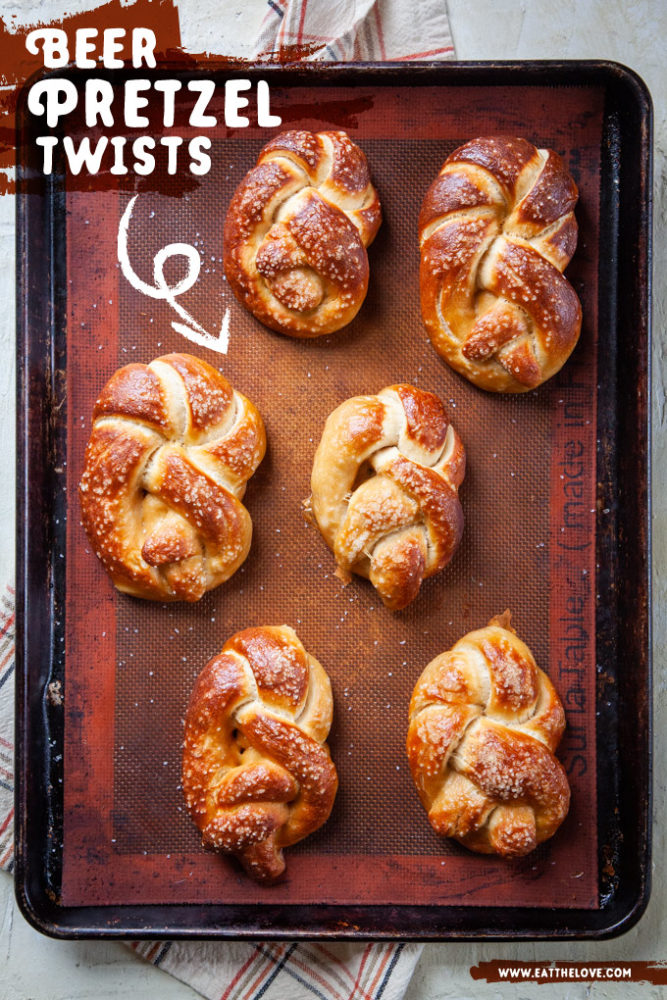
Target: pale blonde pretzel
385	489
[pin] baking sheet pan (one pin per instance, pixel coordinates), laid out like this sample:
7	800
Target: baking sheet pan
103	844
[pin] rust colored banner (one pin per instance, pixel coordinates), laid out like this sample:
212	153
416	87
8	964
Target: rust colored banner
19	65
653	973
22	66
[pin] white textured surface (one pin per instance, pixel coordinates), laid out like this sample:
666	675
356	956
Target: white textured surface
633	33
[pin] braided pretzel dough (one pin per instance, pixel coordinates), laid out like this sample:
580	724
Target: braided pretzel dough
171	449
296	233
497	228
484	722
384	489
257	775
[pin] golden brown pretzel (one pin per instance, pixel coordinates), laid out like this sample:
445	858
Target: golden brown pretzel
385	489
257	775
297	230
484	722
497	228
169	455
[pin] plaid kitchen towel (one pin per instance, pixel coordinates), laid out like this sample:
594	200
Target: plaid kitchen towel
238	970
338	30
360	30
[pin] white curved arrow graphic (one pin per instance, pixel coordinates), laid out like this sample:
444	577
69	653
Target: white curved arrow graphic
191	329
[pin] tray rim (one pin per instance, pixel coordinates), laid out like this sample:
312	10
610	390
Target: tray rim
42	911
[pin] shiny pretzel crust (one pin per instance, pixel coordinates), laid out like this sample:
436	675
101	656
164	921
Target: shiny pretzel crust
297	230
257	774
497	228
484	724
170	452
385	489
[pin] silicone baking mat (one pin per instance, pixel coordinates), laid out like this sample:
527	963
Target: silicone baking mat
529	500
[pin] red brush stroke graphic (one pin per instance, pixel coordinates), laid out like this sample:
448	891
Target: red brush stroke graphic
18	65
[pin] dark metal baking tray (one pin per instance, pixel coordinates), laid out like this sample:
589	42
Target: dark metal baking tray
623	731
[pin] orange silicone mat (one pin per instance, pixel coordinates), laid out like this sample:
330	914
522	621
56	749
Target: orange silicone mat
529	501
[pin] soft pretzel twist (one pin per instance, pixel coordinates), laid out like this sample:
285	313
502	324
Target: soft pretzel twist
385	489
297	230
484	724
257	774
497	228
171	449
